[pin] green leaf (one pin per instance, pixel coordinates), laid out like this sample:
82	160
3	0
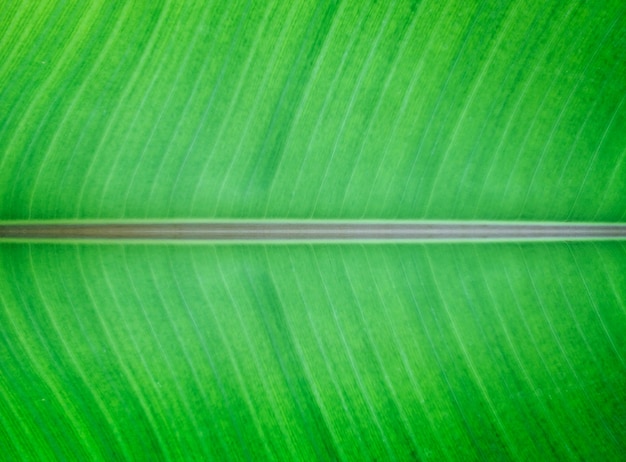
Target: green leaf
210	110
492	351
444	110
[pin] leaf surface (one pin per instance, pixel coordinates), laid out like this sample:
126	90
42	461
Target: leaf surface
437	110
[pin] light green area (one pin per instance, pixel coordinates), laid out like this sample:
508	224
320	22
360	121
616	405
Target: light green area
395	109
405	352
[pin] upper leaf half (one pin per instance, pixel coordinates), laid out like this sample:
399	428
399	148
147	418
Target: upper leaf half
401	109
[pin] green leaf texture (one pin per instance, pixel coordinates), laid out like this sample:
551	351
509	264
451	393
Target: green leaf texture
250	109
380	109
416	352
